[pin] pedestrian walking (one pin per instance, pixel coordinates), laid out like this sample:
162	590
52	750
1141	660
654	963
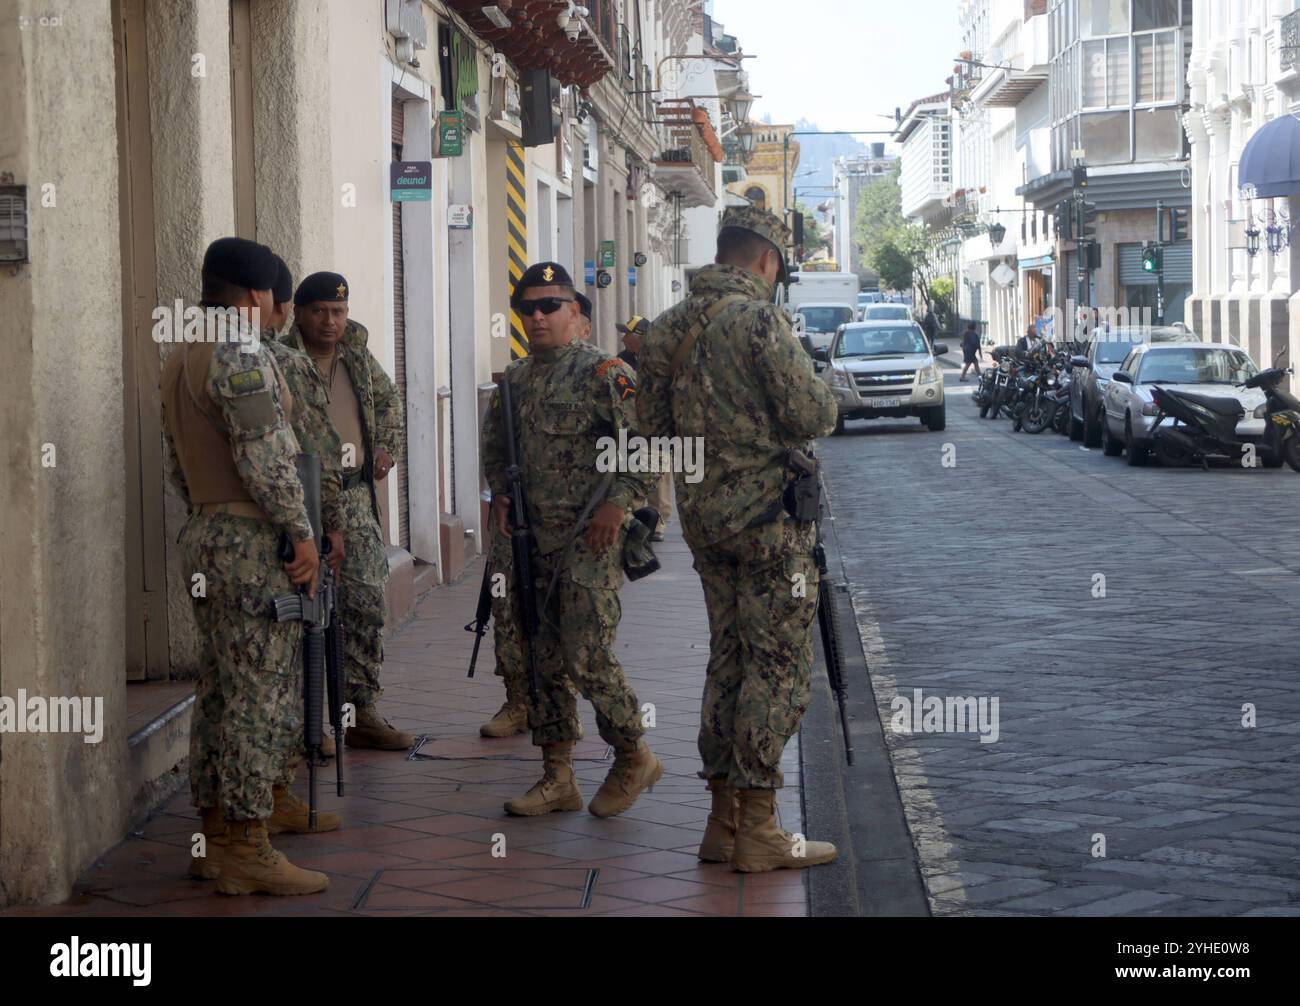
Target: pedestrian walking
369	419
231	455
930	324
724	366
568	394
970	350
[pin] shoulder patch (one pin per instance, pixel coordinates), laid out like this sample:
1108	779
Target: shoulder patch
247	382
625	386
604	368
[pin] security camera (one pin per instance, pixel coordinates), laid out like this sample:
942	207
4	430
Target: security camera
569	21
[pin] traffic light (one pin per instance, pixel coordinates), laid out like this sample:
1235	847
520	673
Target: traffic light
1089	231
1153	258
1177	225
1079	177
1063	218
1093	255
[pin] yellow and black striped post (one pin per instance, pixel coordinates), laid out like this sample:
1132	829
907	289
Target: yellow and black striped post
516	238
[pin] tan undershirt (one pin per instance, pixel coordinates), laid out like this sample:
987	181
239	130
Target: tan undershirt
344	408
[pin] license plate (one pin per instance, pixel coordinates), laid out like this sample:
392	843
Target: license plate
886	403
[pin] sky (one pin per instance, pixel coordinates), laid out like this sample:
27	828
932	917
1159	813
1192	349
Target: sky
843	63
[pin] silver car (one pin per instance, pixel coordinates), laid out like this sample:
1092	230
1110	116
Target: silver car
885	312
884	368
1214	369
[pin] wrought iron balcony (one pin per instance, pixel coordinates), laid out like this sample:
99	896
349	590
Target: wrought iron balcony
1290	44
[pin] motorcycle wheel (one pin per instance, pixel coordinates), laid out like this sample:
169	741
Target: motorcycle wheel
1037	416
1291	452
1170	454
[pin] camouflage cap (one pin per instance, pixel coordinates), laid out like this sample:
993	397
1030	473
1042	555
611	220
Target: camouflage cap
766	225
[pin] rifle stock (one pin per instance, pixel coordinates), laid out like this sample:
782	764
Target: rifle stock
828	623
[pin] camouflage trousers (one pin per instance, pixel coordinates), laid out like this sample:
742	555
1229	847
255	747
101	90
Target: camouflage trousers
247	725
760	587
361	598
575	649
507	635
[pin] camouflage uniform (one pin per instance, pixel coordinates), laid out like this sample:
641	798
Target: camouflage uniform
247	722
566	399
365	554
748	389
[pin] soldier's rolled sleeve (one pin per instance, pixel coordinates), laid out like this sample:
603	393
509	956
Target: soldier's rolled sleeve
262	443
616	400
492	447
390	413
805	407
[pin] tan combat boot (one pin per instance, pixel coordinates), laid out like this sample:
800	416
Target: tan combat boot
635	768
251	866
720	833
557	789
511	719
216	837
373	731
761	845
292	815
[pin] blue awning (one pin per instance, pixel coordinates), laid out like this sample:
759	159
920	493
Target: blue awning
1036	263
1271	160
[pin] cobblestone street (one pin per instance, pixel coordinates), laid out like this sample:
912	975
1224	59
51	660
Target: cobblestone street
1121	717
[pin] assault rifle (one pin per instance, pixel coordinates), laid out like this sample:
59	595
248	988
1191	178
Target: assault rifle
483	613
521	545
322	646
827	618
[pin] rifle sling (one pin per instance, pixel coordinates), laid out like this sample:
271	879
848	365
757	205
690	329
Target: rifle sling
696	330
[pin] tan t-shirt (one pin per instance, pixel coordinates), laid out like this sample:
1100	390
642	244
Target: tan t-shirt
344	408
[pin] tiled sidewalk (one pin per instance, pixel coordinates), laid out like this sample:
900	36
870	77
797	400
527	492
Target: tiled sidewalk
419	833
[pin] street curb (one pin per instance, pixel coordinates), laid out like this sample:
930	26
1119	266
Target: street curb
858	807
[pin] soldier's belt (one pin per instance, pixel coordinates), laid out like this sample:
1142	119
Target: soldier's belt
357	478
237	508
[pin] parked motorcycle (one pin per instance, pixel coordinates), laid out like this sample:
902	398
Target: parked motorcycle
1281	416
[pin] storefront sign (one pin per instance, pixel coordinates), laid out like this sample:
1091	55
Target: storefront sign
460	218
465	59
589	272
410	181
631	276
608	255
449	135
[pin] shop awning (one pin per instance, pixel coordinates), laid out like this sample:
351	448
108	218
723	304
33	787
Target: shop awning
1271	161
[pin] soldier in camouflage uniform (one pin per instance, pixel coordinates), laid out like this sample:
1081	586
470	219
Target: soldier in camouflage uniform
724	365
311	425
512	717
231	455
369	422
568	394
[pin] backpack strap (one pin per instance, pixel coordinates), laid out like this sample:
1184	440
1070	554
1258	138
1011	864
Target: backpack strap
697	329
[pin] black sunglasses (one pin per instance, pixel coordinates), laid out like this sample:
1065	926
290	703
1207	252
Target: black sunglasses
547	305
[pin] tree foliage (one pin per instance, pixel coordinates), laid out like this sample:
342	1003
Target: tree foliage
901	252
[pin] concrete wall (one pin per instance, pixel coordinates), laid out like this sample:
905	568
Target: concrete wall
62	801
193	204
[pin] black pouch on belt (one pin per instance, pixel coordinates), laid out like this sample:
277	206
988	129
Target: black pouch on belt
802	498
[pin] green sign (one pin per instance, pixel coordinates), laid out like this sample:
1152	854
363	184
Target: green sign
449	139
608	259
465	58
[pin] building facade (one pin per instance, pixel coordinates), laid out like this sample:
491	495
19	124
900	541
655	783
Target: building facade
187	122
1244	75
851	176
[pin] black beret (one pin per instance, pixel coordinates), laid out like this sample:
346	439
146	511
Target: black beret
328	286
542	274
283	289
584	305
241	262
